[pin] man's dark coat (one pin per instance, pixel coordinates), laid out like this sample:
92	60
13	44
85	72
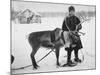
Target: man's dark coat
72	22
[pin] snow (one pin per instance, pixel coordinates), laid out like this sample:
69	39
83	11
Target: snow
21	48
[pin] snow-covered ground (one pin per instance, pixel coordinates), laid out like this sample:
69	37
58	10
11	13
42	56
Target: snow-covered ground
21	48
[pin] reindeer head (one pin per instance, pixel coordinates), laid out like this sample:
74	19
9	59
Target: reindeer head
57	32
74	37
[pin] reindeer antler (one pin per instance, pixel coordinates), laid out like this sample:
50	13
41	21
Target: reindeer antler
81	23
77	26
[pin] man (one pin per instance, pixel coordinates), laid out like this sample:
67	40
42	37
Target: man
70	23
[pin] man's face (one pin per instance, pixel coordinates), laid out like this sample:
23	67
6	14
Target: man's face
72	12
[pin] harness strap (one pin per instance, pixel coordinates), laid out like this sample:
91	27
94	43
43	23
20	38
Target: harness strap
52	36
62	37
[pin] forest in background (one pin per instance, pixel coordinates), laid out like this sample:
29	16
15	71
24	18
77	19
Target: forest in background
56	14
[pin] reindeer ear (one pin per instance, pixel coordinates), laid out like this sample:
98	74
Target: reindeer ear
57	32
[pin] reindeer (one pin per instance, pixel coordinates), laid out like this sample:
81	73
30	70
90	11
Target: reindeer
49	39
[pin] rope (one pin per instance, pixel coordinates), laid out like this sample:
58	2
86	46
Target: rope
82	55
37	61
91	55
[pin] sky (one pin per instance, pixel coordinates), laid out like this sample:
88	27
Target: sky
48	7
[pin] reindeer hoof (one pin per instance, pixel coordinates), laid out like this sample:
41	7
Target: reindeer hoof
37	66
58	64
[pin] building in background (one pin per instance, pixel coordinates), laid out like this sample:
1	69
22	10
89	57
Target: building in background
26	17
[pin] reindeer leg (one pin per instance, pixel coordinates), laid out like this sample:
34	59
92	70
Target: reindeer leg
35	48
57	56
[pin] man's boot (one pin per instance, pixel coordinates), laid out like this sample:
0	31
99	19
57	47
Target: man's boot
76	57
69	62
77	60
